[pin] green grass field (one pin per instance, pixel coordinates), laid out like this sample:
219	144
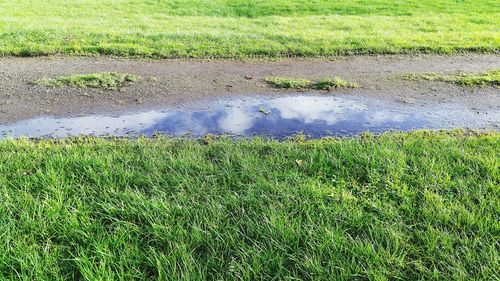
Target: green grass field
247	28
416	206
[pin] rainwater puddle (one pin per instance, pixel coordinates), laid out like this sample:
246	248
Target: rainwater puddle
274	117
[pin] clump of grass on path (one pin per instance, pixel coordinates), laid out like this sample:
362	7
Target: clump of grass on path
288	83
104	80
325	84
399	206
489	78
328	84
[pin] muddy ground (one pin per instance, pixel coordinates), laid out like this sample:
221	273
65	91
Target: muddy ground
180	83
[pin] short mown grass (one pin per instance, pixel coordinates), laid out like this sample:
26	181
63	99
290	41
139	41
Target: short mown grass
399	206
247	28
103	80
489	78
325	84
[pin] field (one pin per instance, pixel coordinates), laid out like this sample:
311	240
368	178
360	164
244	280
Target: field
242	29
405	206
419	205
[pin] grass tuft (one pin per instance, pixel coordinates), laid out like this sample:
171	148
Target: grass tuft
328	84
325	84
288	83
489	78
104	80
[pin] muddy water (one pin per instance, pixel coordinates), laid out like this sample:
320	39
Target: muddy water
315	116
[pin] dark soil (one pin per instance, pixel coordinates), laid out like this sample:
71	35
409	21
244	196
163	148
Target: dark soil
180	83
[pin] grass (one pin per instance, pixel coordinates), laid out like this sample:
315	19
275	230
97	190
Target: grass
325	84
415	206
103	80
489	78
288	83
247	28
330	83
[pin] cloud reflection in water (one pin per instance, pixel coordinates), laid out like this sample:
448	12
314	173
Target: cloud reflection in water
312	115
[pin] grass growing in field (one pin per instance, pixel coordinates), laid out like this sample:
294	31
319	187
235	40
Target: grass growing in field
399	206
103	80
246	28
330	83
288	83
489	78
325	84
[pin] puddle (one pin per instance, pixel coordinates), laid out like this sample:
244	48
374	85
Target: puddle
279	117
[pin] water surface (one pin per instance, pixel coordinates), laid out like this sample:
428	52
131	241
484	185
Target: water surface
316	116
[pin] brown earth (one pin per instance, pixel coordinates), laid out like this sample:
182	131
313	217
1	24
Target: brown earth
180	83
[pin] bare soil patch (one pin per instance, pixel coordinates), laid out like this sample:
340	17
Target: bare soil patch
179	83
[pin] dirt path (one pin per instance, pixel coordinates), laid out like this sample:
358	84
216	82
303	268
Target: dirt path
179	83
